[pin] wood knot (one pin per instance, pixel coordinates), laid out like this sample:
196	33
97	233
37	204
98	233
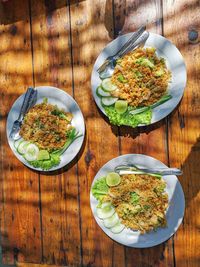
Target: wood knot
193	36
88	157
13	30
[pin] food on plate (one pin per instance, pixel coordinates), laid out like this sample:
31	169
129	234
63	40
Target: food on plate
135	201
46	126
46	133
139	84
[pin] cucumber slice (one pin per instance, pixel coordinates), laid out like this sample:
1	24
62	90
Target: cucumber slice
121	106
31	152
113	179
118	228
105	205
43	155
111	221
106	211
21	149
108	86
108	100
17	142
100	92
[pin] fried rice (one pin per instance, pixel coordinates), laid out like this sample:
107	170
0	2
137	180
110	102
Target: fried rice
46	126
140	202
141	77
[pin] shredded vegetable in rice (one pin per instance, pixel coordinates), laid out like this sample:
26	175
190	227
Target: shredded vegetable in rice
141	77
140	201
46	126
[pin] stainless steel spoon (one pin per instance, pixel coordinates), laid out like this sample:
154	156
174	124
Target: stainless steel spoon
133	169
107	69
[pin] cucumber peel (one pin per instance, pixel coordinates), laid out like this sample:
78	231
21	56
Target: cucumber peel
100	92
108	101
108	86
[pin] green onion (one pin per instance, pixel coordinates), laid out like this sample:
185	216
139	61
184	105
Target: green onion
121	78
143	109
73	135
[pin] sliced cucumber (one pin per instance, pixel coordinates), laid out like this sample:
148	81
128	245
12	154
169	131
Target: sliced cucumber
105	205
108	86
118	228
106	211
121	106
113	179
17	142
111	221
108	100
100	92
21	149
31	152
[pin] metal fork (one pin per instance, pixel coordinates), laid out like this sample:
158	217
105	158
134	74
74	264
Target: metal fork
137	39
131	168
29	100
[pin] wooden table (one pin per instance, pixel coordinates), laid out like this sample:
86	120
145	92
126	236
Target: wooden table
46	219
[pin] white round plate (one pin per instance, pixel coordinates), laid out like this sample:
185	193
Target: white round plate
174	213
62	100
174	62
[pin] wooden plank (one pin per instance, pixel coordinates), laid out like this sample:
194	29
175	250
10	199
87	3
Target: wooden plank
91	25
148	140
19	264
59	192
182	27
20	214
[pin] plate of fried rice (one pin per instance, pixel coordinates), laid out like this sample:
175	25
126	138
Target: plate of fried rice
137	210
52	131
147	83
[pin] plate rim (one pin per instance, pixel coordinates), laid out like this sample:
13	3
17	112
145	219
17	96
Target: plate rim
178	224
60	166
109	44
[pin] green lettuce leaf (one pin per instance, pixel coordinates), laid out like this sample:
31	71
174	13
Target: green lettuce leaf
127	118
134	198
53	161
100	188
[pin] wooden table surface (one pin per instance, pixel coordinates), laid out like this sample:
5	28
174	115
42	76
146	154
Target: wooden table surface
46	219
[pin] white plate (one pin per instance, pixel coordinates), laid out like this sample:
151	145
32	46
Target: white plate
174	214
62	100
174	61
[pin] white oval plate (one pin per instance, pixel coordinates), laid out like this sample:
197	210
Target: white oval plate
174	213
174	62
62	100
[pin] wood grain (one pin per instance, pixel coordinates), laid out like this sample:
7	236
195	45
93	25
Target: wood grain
181	23
59	191
150	140
20	214
89	36
46	219
19	264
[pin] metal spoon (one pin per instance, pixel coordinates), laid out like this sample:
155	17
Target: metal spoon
107	69
133	169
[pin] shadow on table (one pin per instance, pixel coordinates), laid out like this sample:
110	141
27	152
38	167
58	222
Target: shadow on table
16	10
117	11
127	131
191	186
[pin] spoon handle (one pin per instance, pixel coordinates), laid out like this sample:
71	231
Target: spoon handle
140	41
123	169
132	40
